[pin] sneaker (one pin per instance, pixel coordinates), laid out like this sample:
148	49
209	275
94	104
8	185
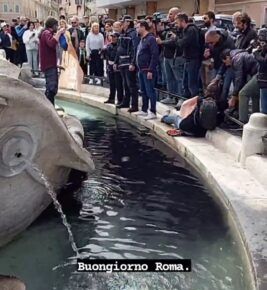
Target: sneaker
141	114
179	104
91	82
168	101
150	116
97	81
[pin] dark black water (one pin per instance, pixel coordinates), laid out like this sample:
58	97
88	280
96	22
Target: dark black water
140	203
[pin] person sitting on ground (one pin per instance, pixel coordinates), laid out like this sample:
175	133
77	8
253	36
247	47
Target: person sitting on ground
196	116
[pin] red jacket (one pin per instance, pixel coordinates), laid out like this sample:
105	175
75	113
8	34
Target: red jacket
48	50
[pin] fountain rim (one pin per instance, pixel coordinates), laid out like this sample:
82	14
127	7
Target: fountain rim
232	216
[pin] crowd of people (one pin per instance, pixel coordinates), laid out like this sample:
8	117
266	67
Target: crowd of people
175	54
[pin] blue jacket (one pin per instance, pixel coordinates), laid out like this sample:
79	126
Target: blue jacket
147	56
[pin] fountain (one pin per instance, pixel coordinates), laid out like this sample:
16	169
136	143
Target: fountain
32	132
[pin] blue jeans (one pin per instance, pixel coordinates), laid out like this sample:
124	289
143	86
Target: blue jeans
263	101
174	74
172	120
191	77
228	79
161	75
148	91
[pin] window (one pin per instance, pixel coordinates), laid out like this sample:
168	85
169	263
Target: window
5	8
17	10
78	2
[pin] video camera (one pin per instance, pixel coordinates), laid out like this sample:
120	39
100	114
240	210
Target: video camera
157	17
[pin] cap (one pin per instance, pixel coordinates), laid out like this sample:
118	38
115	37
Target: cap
3	24
127	18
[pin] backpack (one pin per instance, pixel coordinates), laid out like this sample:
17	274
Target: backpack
206	114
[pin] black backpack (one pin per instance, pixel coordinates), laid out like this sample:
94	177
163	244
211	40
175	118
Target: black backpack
206	114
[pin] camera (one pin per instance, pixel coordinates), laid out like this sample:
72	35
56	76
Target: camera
157	17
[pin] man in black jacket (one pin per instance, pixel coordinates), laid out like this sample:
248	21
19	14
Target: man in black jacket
76	33
172	58
217	41
125	62
190	43
247	33
115	80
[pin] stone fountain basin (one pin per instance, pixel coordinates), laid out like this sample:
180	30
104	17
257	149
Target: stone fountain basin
32	132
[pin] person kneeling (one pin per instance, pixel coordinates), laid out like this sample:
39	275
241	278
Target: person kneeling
196	116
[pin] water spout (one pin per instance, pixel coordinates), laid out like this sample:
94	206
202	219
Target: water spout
57	205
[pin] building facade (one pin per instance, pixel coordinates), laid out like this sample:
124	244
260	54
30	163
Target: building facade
31	9
80	8
71	8
256	9
91	9
140	8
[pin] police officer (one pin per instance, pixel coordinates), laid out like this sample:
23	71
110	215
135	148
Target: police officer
115	79
125	62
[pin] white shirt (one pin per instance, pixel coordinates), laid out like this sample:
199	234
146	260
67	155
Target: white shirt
94	41
31	40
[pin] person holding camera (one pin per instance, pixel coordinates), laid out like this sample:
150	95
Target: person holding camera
172	57
193	49
31	41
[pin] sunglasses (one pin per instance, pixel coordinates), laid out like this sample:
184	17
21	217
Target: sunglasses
73	22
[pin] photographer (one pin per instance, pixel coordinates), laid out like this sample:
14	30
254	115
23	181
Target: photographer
31	41
192	52
172	57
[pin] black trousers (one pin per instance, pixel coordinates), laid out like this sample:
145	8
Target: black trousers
9	54
115	85
51	79
129	80
96	64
